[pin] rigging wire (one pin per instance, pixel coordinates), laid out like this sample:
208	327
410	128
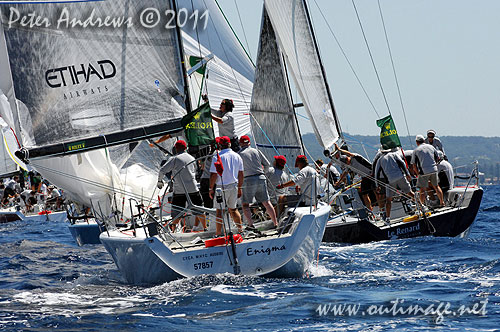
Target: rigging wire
394	71
371	56
243	28
230	26
226	54
347	59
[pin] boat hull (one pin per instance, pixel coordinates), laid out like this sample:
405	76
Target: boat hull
85	233
11	216
135	261
286	256
452	222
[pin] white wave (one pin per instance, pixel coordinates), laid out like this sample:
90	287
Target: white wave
319	270
256	292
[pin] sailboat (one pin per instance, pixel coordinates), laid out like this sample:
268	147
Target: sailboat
78	97
352	222
82	100
287	251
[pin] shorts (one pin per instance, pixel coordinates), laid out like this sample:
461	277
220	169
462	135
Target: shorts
367	185
229	197
423	180
205	195
255	187
401	184
179	202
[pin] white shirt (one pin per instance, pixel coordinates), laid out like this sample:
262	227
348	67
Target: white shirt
333	170
226	128
305	179
275	177
232	163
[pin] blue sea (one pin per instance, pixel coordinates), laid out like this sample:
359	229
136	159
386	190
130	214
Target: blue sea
48	283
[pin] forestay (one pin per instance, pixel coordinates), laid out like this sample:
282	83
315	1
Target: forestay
291	23
274	126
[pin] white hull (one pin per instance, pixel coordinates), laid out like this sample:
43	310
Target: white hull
136	262
85	232
288	255
9	215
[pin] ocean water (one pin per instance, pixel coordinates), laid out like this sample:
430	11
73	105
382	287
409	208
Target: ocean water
48	283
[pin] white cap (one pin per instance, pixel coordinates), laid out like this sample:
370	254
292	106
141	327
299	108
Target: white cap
419	138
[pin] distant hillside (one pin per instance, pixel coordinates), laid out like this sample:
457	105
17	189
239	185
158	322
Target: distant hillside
461	151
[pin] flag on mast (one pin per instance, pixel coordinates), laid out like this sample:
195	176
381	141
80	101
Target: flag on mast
388	135
198	126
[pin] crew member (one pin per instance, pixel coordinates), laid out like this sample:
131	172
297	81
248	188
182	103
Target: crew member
306	179
255	164
434	141
392	168
424	160
362	167
183	169
276	175
226	123
230	182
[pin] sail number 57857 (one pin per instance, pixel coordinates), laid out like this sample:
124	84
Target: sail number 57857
203	265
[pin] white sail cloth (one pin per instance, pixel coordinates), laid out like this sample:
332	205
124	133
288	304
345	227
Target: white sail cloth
221	82
293	31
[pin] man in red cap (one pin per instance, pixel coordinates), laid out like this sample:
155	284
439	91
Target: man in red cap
306	179
183	168
255	164
230	182
276	175
226	123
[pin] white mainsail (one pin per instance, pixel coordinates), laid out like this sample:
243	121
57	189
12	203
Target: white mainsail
136	80
295	36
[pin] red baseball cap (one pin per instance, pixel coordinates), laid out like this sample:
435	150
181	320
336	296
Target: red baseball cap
224	140
180	144
300	157
244	139
280	160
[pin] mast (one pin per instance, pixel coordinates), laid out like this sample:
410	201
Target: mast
187	99
337	123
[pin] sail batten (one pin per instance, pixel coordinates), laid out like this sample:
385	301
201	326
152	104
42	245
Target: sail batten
294	33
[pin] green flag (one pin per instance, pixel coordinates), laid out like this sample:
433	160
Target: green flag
198	127
193	61
388	135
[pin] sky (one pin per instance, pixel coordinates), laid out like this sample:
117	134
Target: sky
446	55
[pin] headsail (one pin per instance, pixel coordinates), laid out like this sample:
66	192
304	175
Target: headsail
274	126
294	33
81	83
230	74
